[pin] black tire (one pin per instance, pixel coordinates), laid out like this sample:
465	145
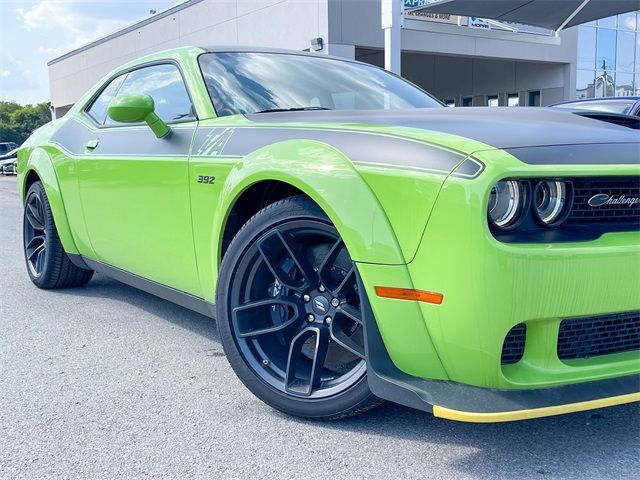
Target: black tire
47	263
343	390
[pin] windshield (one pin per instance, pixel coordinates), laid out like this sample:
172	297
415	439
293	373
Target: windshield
240	82
609	106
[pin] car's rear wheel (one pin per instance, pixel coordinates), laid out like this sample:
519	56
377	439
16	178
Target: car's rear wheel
47	262
289	313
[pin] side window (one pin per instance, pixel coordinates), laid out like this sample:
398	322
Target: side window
98	109
164	84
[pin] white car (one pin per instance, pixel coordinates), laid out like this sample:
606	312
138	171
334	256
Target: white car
8	162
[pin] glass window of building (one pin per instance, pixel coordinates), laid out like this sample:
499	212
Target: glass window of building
609	22
513	100
492	100
585	83
606	50
605	84
627	21
624	84
613	45
587	48
467	102
637	65
534	98
625	51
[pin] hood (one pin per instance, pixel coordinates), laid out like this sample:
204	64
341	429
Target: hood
503	128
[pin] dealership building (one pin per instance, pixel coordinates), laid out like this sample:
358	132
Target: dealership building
462	60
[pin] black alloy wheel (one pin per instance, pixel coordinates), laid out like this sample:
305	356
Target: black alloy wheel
35	234
290	313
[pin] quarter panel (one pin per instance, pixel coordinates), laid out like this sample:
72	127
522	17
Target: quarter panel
40	161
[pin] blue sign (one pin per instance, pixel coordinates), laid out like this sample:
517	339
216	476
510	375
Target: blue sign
409	4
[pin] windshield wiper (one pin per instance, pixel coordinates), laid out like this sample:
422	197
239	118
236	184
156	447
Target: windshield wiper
294	109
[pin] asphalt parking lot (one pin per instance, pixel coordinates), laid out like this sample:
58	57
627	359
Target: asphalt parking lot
109	382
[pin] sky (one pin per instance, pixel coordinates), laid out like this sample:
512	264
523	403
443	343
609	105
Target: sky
32	32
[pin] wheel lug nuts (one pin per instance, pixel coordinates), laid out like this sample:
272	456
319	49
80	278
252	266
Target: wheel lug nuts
328	320
321	288
306	298
310	318
265	363
335	302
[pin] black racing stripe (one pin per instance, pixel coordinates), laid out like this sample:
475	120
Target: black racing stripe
359	147
73	136
495	127
584	154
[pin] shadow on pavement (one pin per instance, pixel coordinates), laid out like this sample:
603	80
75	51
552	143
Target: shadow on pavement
567	446
101	286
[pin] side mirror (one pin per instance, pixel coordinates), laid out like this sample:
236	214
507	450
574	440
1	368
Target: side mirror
136	108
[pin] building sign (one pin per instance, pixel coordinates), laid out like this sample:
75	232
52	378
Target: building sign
409	4
433	17
475	22
413	11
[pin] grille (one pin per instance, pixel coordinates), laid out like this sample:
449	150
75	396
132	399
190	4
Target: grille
583	214
513	347
593	336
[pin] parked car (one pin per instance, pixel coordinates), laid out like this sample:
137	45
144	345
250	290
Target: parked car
10	154
8	166
8	162
6	147
355	239
619	105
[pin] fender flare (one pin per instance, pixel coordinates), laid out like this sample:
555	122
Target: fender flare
40	162
328	177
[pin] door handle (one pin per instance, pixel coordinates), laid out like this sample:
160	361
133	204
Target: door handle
91	145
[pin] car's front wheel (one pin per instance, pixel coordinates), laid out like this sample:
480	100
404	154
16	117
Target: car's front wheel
47	262
289	313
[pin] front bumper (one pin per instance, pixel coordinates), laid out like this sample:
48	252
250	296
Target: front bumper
466	403
489	287
469	404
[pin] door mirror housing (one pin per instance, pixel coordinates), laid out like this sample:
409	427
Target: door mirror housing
136	108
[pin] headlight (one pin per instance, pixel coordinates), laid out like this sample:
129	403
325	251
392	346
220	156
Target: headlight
507	202
552	201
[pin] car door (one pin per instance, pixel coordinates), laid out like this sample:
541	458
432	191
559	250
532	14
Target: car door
134	187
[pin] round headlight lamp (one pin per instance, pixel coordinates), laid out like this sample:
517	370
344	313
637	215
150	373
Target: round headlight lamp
507	202
552	201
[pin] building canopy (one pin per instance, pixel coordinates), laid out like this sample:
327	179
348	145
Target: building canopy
551	14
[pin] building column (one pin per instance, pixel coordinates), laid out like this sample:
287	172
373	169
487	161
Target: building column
570	80
339	50
392	22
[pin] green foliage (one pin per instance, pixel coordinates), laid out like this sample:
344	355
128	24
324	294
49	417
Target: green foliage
17	122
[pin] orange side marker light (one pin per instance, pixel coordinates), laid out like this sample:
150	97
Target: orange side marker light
410	294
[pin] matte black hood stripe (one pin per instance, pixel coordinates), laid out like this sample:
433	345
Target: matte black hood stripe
496	127
591	154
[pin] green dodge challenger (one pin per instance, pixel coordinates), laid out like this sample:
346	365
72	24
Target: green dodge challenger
355	240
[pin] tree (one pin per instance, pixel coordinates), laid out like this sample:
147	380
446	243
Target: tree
17	122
